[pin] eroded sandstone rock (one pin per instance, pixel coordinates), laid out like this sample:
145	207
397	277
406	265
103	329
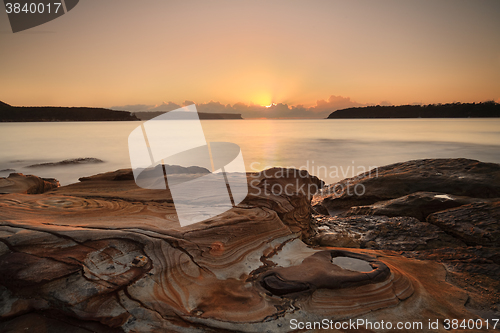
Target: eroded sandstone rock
474	224
459	177
418	205
104	255
457	223
380	232
29	184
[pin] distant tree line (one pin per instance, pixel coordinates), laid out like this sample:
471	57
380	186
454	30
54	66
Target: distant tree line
50	113
451	110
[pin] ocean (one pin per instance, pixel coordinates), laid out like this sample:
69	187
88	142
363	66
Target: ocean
331	149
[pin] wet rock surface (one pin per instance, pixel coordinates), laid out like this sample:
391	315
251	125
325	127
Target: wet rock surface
460	177
127	174
381	232
444	211
316	272
104	255
418	205
73	161
474	224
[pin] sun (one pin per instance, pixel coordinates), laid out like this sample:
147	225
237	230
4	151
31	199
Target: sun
263	98
268	106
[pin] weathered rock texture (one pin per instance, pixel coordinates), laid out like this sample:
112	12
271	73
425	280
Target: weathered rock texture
460	177
446	211
381	232
474	224
418	205
19	183
103	255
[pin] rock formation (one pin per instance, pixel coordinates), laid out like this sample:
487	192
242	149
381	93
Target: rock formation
418	205
104	255
73	161
19	183
445	210
459	177
474	224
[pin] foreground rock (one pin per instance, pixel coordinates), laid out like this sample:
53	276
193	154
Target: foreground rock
19	183
459	177
474	224
476	270
447	211
103	255
446	239
381	232
418	205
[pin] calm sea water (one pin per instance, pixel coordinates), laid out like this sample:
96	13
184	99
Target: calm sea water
329	149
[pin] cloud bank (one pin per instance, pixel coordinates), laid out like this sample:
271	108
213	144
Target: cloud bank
321	110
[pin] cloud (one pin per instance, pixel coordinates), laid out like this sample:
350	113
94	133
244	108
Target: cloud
321	110
338	102
132	108
324	108
145	107
214	107
165	107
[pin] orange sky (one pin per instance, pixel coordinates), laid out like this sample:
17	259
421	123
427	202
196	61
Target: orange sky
117	52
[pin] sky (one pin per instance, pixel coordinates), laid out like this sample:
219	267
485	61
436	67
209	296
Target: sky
308	57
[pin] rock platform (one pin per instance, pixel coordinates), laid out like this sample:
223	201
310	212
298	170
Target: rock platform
104	255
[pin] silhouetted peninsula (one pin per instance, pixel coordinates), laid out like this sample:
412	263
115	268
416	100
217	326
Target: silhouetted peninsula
10	113
453	110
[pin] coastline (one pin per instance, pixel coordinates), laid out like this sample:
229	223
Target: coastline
489	109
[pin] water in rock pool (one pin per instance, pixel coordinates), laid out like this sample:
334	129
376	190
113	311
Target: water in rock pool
328	148
352	264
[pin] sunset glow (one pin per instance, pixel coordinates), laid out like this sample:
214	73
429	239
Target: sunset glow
256	53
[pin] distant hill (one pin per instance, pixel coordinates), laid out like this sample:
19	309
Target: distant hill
51	113
146	115
454	110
